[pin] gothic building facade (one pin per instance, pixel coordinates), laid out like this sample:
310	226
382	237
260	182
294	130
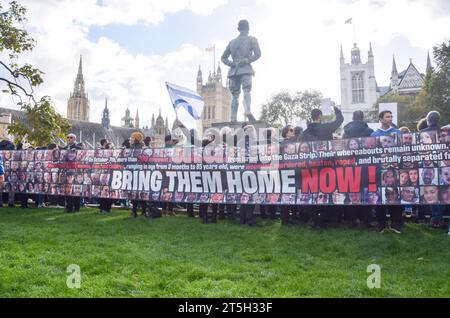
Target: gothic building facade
217	99
359	89
78	104
358	83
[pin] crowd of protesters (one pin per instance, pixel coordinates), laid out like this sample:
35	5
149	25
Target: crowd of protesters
318	216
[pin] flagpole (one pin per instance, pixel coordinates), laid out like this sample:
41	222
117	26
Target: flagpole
214	66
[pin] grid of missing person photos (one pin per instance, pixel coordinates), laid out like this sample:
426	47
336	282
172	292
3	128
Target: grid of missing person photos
87	173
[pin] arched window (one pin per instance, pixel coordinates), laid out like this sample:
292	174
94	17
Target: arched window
357	88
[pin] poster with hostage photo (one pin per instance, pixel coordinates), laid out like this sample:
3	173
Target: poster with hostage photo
231	198
408	139
444	195
389	178
179	196
104	191
429	194
372	197
321	198
388	141
190	197
86	191
338	198
391	195
444	175
355	198
166	195
288	199
204	198
217	198
273	198
104	178
428	176
304	198
245	198
409	195
258	198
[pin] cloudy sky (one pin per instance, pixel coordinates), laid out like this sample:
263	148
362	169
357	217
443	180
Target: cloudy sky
131	47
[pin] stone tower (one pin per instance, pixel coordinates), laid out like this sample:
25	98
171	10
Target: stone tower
136	120
127	120
217	99
358	83
105	117
78	104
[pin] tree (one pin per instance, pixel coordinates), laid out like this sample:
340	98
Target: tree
19	80
285	108
43	124
14	41
435	94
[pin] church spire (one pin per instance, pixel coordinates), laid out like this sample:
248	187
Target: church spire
342	59
136	120
394	68
80	66
78	104
105	118
370	50
199	80
429	67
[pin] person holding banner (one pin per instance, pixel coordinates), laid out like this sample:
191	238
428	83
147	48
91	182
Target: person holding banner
395	211
317	130
137	142
72	203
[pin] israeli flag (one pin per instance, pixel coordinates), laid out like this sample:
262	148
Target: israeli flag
184	98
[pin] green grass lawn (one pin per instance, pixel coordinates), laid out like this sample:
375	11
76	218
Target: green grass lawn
180	257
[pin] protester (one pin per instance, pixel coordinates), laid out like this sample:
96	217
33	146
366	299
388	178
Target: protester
395	211
357	127
72	203
137	142
317	130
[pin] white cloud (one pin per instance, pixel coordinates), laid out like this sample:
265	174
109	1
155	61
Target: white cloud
128	80
300	43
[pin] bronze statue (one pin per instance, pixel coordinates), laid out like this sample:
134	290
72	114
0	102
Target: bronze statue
244	50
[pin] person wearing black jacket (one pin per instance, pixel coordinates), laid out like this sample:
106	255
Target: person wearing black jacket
322	131
357	127
72	203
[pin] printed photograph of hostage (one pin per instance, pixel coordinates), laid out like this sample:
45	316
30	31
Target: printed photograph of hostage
409	195
429	195
355	198
304	198
166	195
444	194
444	174
217	198
428	176
273	198
191	197
404	178
389	178
391	195
258	198
288	198
338	197
231	198
321	198
372	197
